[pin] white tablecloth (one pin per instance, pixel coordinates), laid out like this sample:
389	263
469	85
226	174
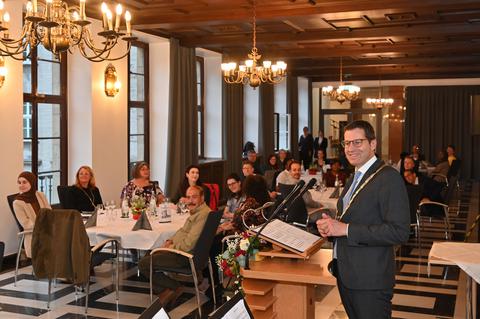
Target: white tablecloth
324	198
465	255
121	229
307	177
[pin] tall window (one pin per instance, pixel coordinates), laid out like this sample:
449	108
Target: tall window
281	131
45	120
200	108
138	125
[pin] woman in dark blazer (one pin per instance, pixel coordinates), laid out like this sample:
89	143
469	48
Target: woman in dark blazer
84	195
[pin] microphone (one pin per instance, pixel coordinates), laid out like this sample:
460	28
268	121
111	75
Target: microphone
309	185
280	207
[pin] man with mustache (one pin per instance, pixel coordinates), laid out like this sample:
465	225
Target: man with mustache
373	216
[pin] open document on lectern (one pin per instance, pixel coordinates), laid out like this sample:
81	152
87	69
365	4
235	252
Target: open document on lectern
288	235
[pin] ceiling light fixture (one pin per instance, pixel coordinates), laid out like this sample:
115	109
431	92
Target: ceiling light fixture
250	72
60	28
379	102
344	92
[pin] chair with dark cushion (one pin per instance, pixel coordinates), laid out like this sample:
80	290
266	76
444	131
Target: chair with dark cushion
21	234
296	211
63	196
198	258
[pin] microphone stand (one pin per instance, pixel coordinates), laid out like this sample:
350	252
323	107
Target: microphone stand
280	207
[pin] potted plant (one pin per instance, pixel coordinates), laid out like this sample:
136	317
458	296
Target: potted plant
137	206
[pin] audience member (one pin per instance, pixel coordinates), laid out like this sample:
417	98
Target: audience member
320	159
236	197
249	146
184	239
252	157
27	204
282	159
305	145
272	163
256	194
284	175
417	156
408	163
431	190
141	185
441	167
451	154
292	178
333	174
247	169
191	178
84	195
320	143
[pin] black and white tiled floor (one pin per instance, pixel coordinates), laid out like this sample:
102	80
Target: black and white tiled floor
417	295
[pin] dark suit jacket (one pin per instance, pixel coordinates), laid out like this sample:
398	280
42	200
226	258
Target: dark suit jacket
305	145
317	146
378	219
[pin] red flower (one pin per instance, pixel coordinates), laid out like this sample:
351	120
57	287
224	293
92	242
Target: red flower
245	235
228	272
240	252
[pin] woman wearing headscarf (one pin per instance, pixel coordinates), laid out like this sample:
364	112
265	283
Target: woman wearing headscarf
27	204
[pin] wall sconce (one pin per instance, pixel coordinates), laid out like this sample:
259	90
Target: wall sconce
3	71
112	85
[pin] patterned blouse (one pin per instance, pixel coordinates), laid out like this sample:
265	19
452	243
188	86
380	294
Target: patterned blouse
251	218
130	190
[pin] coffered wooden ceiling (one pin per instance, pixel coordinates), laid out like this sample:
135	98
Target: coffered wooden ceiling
394	39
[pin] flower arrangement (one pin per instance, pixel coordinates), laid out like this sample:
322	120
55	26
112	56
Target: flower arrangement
233	258
137	206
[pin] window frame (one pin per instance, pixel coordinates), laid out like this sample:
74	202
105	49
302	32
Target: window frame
201	108
145	105
34	98
277	131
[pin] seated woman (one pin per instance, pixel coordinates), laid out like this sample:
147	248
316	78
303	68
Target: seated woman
27	204
442	167
272	164
256	194
84	195
141	185
191	178
236	197
333	174
320	160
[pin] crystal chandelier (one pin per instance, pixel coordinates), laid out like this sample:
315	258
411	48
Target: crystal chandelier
251	72
344	91
379	102
60	28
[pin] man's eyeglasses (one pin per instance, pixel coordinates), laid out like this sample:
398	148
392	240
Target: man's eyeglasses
231	184
355	143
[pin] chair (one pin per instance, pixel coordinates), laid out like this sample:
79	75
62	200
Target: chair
198	258
213	196
440	210
21	234
63	195
296	211
270	178
414	193
97	257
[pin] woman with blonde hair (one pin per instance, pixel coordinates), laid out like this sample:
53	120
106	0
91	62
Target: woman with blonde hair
27	204
84	195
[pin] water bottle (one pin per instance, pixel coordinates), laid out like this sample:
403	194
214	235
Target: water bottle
125	208
153	206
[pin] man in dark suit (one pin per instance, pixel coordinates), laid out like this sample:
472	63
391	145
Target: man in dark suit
320	143
305	145
374	216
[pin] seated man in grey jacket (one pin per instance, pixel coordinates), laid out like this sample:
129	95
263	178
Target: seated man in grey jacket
184	239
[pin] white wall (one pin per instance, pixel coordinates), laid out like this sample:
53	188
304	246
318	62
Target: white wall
251	115
11	134
303	105
213	103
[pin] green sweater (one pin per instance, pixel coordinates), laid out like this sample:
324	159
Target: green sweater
186	237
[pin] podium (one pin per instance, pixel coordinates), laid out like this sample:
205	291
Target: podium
283	287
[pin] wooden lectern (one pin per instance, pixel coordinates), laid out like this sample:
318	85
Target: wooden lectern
282	285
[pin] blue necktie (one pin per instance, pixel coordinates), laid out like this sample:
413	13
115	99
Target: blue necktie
350	192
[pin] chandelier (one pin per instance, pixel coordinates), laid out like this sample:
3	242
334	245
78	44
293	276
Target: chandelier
379	102
344	91
60	28
251	72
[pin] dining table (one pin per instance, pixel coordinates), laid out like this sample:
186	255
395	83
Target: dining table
110	224
326	196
